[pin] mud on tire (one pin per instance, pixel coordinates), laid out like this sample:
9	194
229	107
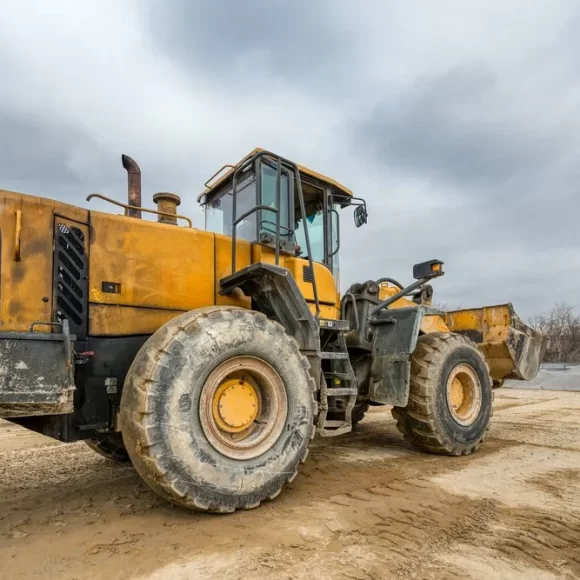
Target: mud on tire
163	427
429	421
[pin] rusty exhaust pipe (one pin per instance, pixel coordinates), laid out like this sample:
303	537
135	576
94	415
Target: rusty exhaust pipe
134	176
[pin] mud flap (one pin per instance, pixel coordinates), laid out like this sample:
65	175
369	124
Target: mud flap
36	374
395	334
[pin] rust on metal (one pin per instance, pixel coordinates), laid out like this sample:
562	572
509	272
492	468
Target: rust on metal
167	207
243	407
134	184
18	235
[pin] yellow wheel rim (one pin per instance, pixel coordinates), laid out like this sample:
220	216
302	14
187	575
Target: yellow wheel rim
464	394
243	407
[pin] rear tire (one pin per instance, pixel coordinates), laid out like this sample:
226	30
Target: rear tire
217	409
450	398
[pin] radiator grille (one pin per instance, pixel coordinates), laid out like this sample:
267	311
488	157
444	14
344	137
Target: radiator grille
70	262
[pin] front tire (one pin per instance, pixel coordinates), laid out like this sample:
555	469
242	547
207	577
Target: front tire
450	398
217	410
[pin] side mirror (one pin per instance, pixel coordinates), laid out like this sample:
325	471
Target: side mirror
360	215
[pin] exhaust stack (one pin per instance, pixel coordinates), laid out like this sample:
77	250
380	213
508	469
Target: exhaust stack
134	185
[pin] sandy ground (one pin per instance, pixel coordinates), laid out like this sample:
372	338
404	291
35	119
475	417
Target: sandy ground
365	506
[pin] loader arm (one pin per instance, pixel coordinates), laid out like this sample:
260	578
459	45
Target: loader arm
512	349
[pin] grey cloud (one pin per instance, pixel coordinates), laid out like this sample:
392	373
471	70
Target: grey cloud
48	157
473	144
442	127
505	145
54	158
302	42
35	151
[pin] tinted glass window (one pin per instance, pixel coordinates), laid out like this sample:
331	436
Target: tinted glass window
218	213
316	234
268	224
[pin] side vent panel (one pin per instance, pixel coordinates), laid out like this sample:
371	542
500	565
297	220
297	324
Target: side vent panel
71	275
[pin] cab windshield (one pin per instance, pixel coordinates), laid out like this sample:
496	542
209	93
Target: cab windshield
219	210
315	224
257	187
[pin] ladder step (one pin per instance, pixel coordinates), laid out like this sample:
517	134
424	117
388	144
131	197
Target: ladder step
338	392
334	424
345	428
335	375
334	355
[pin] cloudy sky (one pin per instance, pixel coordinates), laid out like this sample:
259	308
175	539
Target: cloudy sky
457	121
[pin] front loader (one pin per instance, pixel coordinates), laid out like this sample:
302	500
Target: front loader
210	358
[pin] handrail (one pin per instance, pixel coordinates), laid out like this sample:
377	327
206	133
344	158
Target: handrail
226	166
403	292
43	323
331	211
278	195
289	164
251	211
127	207
288	230
350	296
307	239
238	169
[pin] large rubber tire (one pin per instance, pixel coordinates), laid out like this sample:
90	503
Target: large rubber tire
427	421
161	418
109	445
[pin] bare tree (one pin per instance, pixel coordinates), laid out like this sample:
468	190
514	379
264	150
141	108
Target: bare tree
562	326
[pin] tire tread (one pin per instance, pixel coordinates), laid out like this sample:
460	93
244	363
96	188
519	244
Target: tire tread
135	426
417	422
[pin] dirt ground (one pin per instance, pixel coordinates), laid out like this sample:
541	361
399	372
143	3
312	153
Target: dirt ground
365	506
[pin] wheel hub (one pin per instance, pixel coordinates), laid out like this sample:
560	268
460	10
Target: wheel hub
464	394
235	405
243	407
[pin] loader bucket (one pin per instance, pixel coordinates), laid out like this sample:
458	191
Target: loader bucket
512	349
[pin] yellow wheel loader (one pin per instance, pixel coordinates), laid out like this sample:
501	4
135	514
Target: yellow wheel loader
210	358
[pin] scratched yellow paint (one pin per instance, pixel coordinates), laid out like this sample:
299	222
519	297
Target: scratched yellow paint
492	326
157	265
26	285
163	267
110	320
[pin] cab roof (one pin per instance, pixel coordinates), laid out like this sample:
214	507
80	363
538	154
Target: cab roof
212	186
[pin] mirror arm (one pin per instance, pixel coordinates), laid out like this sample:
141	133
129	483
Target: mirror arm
333	211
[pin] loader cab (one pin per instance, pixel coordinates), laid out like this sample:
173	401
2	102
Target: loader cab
279	204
